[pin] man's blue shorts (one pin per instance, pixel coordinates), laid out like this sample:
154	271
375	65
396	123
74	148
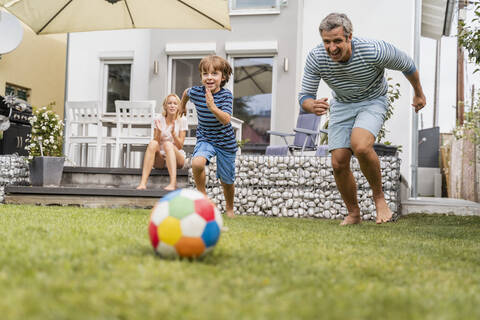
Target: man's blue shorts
225	160
368	115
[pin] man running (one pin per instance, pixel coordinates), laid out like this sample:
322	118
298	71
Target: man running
354	69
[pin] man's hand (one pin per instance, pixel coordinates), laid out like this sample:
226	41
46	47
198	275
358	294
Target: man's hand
419	102
318	107
209	97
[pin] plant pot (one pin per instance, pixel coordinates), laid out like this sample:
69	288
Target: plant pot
46	171
385	149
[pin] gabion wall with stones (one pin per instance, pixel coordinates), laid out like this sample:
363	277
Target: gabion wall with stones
299	187
13	170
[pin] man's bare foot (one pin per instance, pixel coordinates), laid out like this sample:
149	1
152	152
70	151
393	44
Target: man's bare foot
170	187
141	187
230	214
351	219
384	214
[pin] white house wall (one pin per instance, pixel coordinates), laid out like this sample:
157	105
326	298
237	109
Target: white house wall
85	50
150	45
295	30
389	20
280	28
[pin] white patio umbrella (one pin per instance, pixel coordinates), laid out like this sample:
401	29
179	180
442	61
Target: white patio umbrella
63	16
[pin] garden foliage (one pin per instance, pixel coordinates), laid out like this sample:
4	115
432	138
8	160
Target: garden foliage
46	138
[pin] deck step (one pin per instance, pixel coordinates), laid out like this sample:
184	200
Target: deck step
83	197
123	178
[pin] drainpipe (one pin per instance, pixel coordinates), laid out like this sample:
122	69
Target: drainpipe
416	58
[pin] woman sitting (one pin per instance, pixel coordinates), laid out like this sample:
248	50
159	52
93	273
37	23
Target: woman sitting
166	146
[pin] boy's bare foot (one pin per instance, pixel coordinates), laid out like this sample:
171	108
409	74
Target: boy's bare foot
170	187
351	219
230	214
384	214
141	187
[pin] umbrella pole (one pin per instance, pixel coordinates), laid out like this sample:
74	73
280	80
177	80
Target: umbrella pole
65	98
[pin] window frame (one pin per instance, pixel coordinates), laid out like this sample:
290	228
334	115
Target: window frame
253	11
16	88
172	57
257	54
191	136
107	59
186	50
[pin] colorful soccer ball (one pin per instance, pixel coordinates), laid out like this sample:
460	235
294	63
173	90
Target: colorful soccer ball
184	223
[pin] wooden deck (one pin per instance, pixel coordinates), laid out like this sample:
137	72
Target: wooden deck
97	187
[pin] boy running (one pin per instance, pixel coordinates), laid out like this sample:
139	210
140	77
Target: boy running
215	135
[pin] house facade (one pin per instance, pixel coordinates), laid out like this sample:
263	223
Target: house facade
266	47
263	49
35	70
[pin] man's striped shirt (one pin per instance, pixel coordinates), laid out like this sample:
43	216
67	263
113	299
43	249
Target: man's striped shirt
361	78
209	129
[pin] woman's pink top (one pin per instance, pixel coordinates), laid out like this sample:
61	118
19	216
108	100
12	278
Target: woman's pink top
180	125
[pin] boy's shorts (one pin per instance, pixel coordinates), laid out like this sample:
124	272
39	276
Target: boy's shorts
368	115
225	160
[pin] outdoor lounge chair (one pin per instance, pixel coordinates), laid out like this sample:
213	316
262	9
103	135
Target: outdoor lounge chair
305	136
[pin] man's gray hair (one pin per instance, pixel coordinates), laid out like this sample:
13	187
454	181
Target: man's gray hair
335	20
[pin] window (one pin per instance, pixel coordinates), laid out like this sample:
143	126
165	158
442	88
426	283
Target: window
20	92
252	93
116	82
254	6
184	74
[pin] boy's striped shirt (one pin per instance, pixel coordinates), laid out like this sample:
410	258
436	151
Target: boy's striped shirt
209	129
359	79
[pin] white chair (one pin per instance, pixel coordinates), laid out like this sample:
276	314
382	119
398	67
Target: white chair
83	128
237	127
135	128
192	121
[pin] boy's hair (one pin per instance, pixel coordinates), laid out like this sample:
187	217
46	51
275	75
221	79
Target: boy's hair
217	63
164	112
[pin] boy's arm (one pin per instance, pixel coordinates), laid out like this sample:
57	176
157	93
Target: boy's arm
221	116
183	103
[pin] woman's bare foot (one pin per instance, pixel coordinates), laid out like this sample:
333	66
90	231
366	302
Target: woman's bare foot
384	214
230	214
351	219
141	187
170	187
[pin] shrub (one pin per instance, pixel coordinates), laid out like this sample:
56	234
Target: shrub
46	138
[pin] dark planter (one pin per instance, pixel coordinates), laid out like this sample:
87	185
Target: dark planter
385	149
46	171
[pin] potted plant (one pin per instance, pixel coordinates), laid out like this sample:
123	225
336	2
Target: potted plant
44	145
386	148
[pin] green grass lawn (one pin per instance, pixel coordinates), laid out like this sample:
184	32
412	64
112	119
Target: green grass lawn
75	263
